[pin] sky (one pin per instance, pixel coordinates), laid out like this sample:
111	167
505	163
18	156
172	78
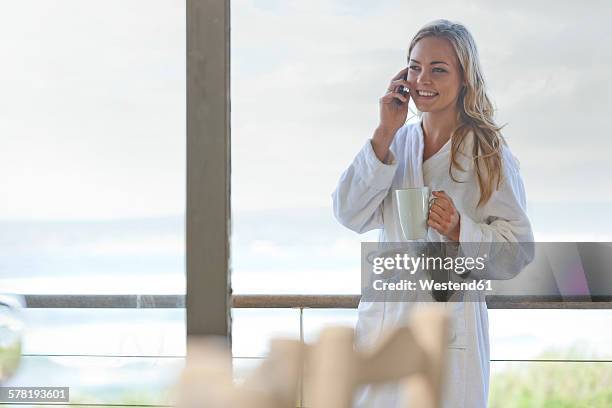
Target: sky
92	109
92	105
315	70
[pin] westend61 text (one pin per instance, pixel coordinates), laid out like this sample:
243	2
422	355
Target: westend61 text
404	284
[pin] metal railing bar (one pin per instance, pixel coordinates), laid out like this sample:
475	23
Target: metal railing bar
520	360
99	355
59	404
284	301
105	301
296	301
263	357
301	386
129	356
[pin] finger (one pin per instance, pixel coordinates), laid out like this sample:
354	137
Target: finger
398	82
443	201
443	194
440	212
435	226
401	73
390	96
441	220
447	208
399	89
446	196
436	217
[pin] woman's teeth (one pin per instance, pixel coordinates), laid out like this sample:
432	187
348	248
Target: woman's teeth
423	93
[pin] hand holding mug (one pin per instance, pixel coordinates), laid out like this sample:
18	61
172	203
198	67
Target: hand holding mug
444	217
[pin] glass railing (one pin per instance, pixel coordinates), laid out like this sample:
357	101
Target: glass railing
129	350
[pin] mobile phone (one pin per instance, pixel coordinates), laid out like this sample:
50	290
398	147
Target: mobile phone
402	89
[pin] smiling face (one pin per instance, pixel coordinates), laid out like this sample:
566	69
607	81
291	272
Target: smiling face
434	67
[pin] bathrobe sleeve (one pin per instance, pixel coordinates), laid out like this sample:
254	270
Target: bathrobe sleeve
358	197
505	236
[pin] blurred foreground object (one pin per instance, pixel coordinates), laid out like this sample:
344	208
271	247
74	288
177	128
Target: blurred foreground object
11	329
413	354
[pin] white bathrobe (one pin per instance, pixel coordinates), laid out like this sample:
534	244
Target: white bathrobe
364	200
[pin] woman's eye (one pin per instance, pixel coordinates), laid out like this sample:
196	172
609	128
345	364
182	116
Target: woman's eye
415	68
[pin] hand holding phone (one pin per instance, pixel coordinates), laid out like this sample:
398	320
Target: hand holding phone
402	89
394	104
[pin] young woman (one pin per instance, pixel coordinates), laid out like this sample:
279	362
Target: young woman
457	150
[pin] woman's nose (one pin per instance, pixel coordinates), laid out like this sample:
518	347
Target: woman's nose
423	78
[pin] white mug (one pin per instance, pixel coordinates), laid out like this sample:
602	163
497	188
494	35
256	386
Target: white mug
413	210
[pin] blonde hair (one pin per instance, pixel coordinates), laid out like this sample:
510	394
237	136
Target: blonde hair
475	110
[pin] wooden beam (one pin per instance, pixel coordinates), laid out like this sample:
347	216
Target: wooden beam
208	168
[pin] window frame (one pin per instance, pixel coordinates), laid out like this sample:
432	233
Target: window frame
208	299
208	216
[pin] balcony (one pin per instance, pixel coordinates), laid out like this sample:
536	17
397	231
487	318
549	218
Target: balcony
114	378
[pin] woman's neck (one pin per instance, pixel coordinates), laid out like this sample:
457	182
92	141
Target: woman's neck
438	126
